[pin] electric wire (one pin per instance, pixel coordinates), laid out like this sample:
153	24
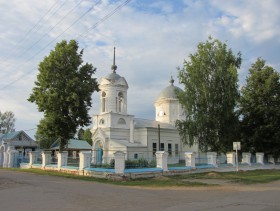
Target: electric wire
27	34
107	16
35	43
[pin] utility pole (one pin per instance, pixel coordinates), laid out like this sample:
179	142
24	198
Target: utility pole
158	137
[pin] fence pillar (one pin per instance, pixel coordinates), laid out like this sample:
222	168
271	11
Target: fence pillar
5	159
212	158
46	158
246	158
231	158
190	159
13	155
259	158
62	159
84	159
33	156
119	162
161	157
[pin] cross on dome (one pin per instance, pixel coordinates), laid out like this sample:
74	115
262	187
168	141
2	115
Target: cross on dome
114	66
171	81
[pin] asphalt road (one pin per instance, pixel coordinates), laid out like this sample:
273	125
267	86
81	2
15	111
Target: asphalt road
26	191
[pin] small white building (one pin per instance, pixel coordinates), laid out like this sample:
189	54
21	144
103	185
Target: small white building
19	141
115	130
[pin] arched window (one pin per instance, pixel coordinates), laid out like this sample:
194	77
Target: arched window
121	121
102	122
120	102
103	101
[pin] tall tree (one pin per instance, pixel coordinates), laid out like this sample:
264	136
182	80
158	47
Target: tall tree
63	92
7	122
260	109
44	142
209	97
87	136
80	134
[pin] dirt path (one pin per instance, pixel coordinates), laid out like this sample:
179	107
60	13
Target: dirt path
26	191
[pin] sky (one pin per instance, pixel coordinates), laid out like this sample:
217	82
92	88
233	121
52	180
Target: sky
152	39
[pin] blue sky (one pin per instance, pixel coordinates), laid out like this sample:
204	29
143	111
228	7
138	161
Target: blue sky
152	39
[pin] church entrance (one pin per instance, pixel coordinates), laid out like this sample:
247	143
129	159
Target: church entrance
98	151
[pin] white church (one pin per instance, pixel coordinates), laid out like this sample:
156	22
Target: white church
116	130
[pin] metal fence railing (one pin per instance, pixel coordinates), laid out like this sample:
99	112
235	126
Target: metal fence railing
73	161
38	160
20	159
53	160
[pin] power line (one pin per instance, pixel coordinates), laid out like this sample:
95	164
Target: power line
26	36
29	129
46	33
107	16
53	27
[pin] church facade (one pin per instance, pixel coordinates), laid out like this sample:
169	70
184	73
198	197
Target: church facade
116	130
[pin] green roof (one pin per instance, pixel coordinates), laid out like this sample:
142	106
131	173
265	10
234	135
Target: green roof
73	144
9	136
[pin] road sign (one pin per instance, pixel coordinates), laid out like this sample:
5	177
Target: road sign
236	146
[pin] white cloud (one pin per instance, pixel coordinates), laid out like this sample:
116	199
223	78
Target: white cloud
257	20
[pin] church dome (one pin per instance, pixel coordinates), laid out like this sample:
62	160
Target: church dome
113	76
170	91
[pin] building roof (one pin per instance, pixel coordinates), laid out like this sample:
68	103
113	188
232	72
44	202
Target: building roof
145	123
8	136
169	92
113	76
73	144
13	135
126	143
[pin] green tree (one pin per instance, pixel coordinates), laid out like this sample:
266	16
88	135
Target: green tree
7	122
209	97
63	92
87	136
44	142
80	134
260	110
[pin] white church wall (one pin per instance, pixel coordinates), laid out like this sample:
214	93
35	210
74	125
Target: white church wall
119	133
134	153
140	136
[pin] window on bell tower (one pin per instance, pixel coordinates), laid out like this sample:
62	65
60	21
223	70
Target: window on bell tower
120	102
103	101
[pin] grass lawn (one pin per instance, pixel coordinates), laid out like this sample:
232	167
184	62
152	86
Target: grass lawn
244	177
187	180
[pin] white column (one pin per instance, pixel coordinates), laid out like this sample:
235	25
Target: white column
161	157
33	155
119	162
62	159
231	158
246	158
259	158
13	154
212	158
46	158
84	159
131	131
5	159
190	159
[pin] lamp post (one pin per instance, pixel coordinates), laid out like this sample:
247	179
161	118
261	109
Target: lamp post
236	147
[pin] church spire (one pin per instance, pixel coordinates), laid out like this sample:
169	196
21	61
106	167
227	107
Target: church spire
114	66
